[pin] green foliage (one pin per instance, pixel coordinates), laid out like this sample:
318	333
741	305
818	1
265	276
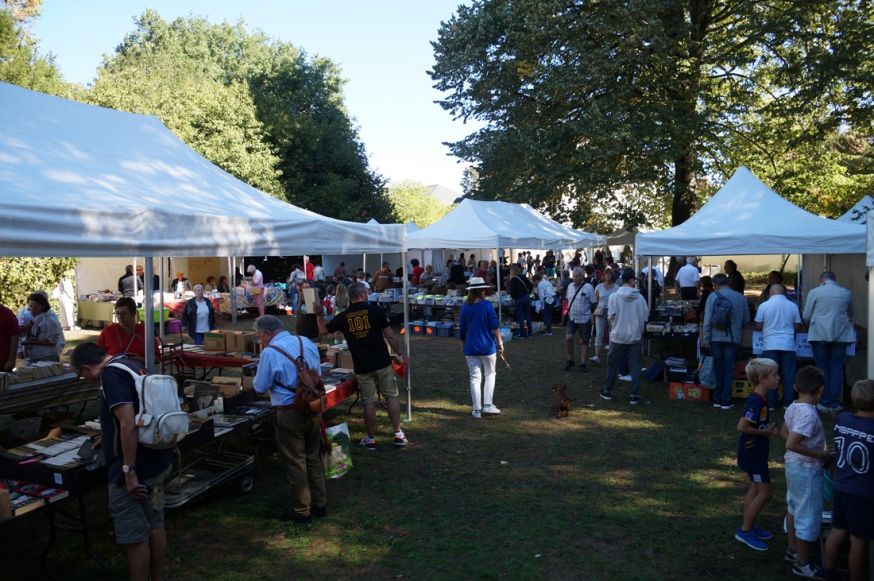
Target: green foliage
410	200
587	101
259	108
21	276
20	62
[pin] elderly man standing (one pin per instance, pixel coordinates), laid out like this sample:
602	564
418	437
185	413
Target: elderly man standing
298	434
580	297
828	311
725	315
257	288
627	311
778	319
687	278
366	329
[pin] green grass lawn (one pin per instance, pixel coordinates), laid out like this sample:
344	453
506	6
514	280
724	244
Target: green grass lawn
612	492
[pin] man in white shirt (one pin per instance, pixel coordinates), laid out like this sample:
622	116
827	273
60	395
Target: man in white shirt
687	278
580	296
778	318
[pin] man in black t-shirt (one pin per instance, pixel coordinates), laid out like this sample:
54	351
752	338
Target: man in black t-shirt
366	329
136	473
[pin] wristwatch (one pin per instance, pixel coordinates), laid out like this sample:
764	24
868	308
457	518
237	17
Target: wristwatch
125	468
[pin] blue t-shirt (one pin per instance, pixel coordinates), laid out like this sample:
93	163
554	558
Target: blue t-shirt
476	328
755	447
118	389
854	452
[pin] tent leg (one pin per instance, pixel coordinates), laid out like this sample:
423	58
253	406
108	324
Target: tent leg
498	286
234	290
870	348
160	294
649	277
407	345
149	324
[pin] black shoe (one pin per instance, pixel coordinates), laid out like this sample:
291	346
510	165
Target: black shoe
583	368
569	365
605	394
294	517
320	511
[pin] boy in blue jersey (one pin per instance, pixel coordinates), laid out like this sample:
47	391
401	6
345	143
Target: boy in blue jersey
755	428
854	482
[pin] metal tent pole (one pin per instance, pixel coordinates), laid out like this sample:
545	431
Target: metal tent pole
234	290
498	282
407	344
160	293
150	318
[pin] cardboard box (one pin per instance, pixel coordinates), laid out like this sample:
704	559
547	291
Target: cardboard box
248	382
5	505
688	391
344	360
214	341
238	341
228	386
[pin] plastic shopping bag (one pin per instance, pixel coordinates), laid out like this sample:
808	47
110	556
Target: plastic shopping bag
339	460
707	373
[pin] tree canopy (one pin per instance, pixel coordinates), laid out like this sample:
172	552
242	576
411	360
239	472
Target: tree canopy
636	108
261	109
411	201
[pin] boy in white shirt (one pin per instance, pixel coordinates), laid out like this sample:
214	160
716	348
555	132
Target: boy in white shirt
806	455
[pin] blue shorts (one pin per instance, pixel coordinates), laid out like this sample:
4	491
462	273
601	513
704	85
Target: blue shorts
804	499
757	468
855	514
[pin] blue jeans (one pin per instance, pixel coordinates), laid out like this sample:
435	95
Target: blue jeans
198	338
292	296
618	352
523	313
547	318
829	359
786	361
724	354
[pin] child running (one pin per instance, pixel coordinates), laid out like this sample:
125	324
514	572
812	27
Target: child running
806	455
752	450
854	482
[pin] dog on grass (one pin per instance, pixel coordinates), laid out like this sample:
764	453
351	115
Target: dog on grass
561	403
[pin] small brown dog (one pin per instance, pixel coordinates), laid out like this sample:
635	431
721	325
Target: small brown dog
561	403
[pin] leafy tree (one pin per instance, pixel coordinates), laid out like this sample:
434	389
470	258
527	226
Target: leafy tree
20	62
410	200
21	276
260	108
590	100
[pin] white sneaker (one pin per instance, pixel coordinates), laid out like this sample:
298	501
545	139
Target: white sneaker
490	409
476	414
595	359
624	378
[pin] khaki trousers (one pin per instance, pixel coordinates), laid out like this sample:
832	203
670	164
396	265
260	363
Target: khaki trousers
299	441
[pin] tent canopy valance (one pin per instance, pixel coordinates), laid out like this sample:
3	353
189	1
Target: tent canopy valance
480	224
746	217
78	180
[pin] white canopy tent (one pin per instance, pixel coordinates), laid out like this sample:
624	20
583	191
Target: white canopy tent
747	217
82	181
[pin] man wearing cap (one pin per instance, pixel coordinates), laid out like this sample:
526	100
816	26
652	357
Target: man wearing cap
366	329
627	312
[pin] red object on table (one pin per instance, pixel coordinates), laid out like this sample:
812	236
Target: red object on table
344	390
177	306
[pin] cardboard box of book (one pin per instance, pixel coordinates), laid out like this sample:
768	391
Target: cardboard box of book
237	341
214	341
228	386
688	391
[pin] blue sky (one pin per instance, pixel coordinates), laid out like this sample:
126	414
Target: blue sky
382	46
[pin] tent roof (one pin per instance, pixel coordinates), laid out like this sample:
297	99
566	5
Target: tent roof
746	217
858	214
479	224
78	180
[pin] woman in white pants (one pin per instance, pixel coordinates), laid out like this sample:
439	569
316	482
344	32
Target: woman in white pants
478	328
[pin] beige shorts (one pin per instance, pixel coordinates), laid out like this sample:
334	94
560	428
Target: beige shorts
382	380
134	519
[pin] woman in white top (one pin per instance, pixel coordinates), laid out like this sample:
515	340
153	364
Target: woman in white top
199	316
602	294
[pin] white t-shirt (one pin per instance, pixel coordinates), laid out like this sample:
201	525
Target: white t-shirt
688	276
778	316
802	418
202	325
659	275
